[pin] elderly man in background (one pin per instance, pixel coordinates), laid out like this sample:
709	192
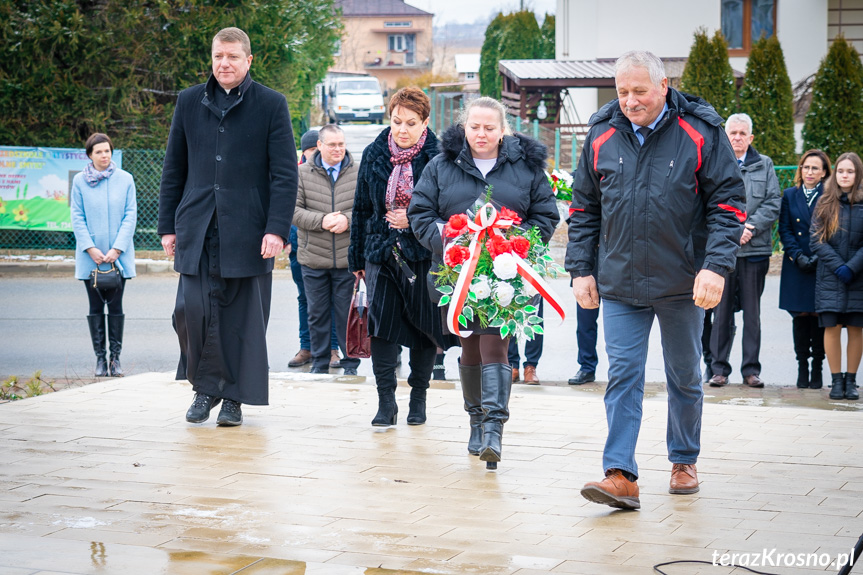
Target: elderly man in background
744	285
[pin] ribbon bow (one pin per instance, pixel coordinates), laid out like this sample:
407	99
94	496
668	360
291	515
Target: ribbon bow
487	222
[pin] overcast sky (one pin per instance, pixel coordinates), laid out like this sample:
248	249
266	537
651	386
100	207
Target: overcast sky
468	11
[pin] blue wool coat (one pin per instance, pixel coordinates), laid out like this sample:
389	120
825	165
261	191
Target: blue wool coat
796	288
104	216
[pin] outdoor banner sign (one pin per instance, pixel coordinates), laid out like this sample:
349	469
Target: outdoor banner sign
36	185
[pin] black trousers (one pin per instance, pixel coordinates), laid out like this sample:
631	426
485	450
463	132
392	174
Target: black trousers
99	299
328	295
746	282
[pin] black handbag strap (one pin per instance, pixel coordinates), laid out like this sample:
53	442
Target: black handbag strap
116	290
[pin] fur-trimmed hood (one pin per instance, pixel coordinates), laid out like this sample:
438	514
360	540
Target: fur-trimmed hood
518	146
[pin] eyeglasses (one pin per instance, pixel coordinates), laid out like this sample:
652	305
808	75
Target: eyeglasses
335	145
811	169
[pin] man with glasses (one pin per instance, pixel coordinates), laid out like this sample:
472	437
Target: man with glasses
325	198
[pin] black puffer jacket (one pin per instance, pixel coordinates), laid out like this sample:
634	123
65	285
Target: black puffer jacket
845	247
660	212
371	237
452	183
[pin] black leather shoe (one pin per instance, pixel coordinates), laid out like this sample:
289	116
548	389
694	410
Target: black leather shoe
199	412
230	414
582	377
350	371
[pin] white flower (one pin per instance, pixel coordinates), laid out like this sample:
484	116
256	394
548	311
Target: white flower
481	289
505	267
503	293
528	289
565	176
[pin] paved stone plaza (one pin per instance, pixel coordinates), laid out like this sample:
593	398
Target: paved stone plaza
109	479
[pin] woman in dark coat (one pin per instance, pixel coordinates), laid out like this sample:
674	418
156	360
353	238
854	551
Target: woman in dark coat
385	252
479	152
797	286
837	240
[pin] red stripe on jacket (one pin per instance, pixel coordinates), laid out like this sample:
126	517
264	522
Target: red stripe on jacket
740	215
598	142
696	137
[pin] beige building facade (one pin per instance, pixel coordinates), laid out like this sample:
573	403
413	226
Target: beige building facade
387	39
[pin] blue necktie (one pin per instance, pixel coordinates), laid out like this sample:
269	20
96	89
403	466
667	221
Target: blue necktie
644	131
332	172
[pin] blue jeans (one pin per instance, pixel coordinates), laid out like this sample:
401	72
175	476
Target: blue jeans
585	335
297	275
532	348
627	331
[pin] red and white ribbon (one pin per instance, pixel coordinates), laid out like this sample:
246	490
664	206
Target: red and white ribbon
487	222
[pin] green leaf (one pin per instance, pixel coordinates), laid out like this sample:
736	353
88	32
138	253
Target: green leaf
534	320
539	268
528	332
529	309
471	296
468	313
519	316
445	289
512	325
547	258
504	331
521	299
457	269
444	300
497	322
538	329
462	321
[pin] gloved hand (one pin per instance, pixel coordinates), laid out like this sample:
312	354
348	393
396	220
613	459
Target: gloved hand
844	273
807	264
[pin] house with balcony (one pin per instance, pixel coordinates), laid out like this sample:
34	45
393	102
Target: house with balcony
387	39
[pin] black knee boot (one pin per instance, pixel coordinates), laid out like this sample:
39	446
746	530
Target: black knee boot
851	387
96	322
115	343
816	334
837	391
384	367
471	389
421	364
496	388
802	337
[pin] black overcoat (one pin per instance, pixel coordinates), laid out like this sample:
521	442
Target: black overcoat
243	166
796	287
845	247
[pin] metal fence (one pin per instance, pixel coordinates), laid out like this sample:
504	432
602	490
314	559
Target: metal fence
146	167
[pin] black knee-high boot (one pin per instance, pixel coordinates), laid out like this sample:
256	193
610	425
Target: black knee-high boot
421	364
471	389
496	388
384	355
115	343
802	338
816	332
96	323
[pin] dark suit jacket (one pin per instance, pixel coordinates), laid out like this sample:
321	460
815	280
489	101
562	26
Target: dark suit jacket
243	166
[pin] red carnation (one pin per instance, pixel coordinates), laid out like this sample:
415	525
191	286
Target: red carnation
496	245
508	214
520	245
456	255
455	226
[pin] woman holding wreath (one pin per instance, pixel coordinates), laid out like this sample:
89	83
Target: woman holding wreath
480	152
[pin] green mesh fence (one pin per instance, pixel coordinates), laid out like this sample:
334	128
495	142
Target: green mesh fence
146	167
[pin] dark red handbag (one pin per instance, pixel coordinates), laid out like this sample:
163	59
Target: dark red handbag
359	344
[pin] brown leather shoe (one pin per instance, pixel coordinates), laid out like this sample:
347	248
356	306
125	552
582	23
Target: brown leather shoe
718	381
753	380
303	357
530	377
615	490
516	377
684	479
335	359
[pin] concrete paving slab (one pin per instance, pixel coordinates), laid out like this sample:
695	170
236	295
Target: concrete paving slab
109	478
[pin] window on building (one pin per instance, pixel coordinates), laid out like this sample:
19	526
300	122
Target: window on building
744	21
403	24
397	43
470	75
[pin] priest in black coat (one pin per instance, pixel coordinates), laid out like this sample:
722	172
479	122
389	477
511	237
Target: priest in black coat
229	184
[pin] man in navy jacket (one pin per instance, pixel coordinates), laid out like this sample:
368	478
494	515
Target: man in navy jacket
658	192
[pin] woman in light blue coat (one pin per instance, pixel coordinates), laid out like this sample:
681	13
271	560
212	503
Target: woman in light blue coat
104	214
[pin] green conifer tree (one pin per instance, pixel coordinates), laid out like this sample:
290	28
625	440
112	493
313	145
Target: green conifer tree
708	73
835	116
547	31
489	56
766	96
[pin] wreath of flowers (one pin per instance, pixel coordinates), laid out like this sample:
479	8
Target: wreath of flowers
561	185
508	263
